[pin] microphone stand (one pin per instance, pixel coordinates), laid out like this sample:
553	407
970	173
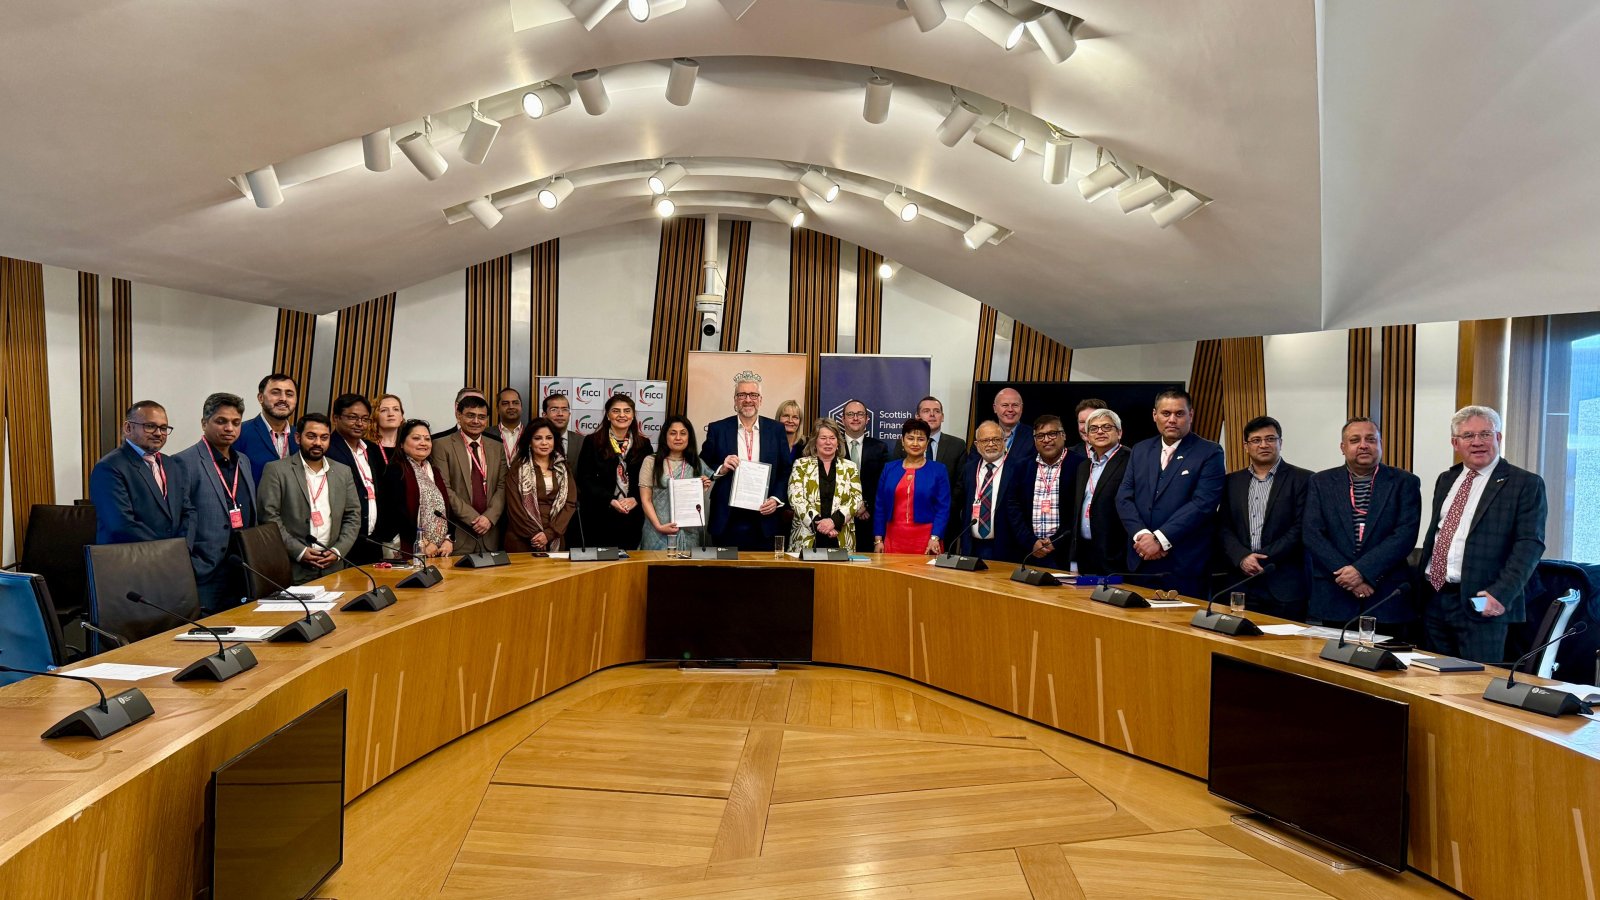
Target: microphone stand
1226	623
950	560
376	598
425	577
1038	577
97	720
596	554
483	559
1534	698
219	666
303	631
1373	659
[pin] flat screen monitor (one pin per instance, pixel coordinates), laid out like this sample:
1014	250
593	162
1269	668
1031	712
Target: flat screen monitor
277	810
1325	760
724	613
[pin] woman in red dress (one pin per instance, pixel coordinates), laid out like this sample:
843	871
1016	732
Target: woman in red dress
913	502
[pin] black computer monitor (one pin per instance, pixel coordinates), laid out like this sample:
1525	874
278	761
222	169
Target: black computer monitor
728	613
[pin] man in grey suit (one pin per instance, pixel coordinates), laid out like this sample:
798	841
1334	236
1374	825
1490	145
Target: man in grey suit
221	486
474	472
942	448
309	495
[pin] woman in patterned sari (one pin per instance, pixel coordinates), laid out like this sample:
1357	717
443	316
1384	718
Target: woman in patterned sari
825	492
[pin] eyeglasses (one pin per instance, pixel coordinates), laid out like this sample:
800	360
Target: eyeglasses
855	415
151	427
1476	436
1047	435
746	395
356	420
998	440
1164	595
1100	429
1263	440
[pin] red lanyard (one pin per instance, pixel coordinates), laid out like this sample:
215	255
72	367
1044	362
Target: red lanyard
1095	471
282	449
749	442
1360	510
383	453
363	465
322	485
233	492
472	457
1049	475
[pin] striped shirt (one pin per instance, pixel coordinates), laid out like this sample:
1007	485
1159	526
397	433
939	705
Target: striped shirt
1047	498
1360	501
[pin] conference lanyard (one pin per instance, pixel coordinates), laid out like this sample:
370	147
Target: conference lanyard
281	447
322	485
749	442
1049	476
235	516
385	453
363	466
478	467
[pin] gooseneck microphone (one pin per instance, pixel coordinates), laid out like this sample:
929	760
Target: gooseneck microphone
1036	577
587	553
952	560
1372	659
1577	628
376	597
1547	701
119	639
220	666
1239	584
1368	611
314	625
97	720
1227	623
425	577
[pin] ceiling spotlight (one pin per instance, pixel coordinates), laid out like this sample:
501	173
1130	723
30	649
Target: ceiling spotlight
1108	176
1057	157
1000	140
422	154
929	14
664	207
1175	207
979	234
680	81
483	209
957	123
481	132
821	185
902	206
1141	193
375	149
787	212
665	177
887	268
876	108
639	10
592	91
556	190
995	24
546	100
590	12
1053	35
264	187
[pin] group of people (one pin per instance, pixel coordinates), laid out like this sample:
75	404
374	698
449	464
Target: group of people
367	483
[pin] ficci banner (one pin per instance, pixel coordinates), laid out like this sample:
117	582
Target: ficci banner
890	386
588	396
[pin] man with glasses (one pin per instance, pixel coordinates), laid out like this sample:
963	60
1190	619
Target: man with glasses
349	445
1168	498
984	480
1484	541
138	494
1259	524
270	436
1100	543
223	497
473	466
558	409
746	436
869	453
1039	503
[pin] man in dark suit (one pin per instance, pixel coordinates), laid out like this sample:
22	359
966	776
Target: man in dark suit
746	436
137	493
1008	412
870	454
1100	542
1484	540
947	449
1361	522
1081	448
453	430
309	495
1039	498
270	435
222	492
1259	523
474	469
985	476
1168	498
349	446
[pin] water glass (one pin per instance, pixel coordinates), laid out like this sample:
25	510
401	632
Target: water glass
777	547
1236	603
672	546
1367	630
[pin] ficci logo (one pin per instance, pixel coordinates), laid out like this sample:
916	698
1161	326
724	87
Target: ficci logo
653	392
617	388
588	391
651	425
552	388
587	423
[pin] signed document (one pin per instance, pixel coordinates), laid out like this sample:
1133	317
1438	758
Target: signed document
750	482
688	497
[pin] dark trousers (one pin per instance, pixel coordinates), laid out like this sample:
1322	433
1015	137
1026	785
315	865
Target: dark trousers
1264	602
747	530
982	549
1090	560
1453	628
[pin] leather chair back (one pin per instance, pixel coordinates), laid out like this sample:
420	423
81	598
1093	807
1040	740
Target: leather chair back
53	548
29	632
160	570
261	548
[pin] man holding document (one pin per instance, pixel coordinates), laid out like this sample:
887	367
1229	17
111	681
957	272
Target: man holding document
753	459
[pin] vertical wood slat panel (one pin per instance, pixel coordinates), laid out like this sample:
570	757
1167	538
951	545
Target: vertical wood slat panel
487	363
24	365
1358	381
673	325
813	301
869	302
1244	391
546	271
1205	385
733	302
122	344
89	373
1399	394
291	349
1038	357
361	349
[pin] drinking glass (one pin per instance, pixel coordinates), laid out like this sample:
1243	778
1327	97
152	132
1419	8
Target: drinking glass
1236	603
672	546
1367	630
777	547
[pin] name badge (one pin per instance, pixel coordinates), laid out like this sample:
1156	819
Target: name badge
235	518
316	518
1046	506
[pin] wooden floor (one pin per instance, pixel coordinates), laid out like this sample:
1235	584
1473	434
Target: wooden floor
649	783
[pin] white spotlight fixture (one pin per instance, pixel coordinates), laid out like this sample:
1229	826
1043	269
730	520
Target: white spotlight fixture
787	212
483	209
876	108
421	152
928	14
665	177
904	208
480	135
680	81
1106	177
1177	206
1140	193
821	185
590	12
957	123
995	24
1000	140
375	149
887	268
592	91
1057	157
556	190
264	187
546	100
1053	35
639	10
664	207
979	234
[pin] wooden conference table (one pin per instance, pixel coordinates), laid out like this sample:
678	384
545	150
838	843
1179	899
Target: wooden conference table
1504	803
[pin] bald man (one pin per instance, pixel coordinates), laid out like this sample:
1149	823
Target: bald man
1008	412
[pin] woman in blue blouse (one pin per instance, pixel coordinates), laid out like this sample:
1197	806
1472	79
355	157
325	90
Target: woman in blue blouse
913	502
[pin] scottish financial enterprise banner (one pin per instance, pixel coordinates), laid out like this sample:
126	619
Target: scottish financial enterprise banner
890	386
588	398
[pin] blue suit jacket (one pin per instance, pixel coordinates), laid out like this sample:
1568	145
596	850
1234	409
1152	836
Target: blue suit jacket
1180	502
255	441
722	441
1393	517
930	497
210	533
1005	542
1019	504
129	507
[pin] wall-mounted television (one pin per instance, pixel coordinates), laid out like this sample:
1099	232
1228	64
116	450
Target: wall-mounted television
1324	760
728	613
276	811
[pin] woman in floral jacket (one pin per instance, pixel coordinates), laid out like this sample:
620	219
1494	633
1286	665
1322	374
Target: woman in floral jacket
825	492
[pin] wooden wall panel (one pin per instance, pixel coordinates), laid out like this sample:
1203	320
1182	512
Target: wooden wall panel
361	349
1399	406
982	362
1206	387
869	302
1358	381
813	301
546	272
291	349
89	419
1244	392
733	302
122	346
26	390
674	326
488	332
1037	357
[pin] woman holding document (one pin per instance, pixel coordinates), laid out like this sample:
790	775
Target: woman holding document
676	460
541	491
825	493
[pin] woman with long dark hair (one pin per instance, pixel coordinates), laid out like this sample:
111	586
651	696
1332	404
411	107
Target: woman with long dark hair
677	457
541	491
608	478
412	496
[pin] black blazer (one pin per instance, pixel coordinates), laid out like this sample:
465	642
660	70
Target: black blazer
1504	541
1004	545
597	485
1281	533
1019	505
339	451
1110	536
874	456
1393	518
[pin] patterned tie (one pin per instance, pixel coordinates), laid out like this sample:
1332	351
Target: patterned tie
985	502
1447	533
157	472
480	486
855	452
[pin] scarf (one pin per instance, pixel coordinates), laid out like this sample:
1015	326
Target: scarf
622	462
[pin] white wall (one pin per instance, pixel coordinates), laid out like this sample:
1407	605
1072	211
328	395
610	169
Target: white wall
1306	385
922	317
607	289
764	324
427	347
1141	362
1435	404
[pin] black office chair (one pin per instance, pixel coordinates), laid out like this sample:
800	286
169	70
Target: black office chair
261	548
160	570
53	548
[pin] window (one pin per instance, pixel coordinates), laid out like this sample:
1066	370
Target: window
1569	446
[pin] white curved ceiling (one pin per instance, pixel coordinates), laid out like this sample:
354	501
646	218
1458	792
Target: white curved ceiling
128	119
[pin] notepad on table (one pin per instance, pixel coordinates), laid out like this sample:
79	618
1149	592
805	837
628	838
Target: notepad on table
1446	664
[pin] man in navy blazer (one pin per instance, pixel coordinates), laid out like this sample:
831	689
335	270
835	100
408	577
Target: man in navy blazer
744	437
1361	524
223	497
1168	498
1099	540
1484	541
138	494
270	436
351	414
1260	524
1042	517
986	473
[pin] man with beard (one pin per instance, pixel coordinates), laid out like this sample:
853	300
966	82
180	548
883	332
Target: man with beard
311	496
270	436
221	486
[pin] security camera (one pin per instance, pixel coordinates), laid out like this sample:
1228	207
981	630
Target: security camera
708	325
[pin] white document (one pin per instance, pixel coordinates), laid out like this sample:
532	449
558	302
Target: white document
249	633
120	672
1169	604
1284	630
560	554
688	497
305	590
750	480
277	606
1409	658
1332	634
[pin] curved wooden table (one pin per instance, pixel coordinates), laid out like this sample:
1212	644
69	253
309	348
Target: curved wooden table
1503	803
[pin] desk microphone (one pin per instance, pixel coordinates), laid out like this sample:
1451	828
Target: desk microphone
949	560
220	666
121	641
1226	623
586	553
314	625
1532	697
480	559
425	577
376	598
1362	657
97	720
1036	577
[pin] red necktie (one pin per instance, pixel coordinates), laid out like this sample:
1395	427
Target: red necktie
159	473
480	486
1447	533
